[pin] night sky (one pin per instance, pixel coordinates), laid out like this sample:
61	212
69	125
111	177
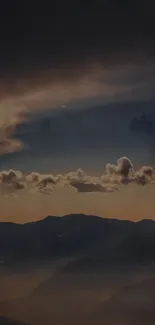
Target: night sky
72	78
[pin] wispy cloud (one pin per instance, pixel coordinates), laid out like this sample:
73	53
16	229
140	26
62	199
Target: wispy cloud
124	83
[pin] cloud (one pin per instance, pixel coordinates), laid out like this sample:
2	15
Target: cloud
148	171
124	167
16	109
126	83
11	181
33	177
113	178
10	176
121	173
8	124
85	183
46	184
141	179
145	175
8	145
74	176
89	186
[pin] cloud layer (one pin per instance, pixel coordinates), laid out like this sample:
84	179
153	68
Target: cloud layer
114	176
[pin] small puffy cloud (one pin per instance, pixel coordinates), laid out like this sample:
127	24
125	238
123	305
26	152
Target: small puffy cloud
114	176
33	177
121	173
10	176
124	166
110	169
148	171
43	183
18	186
91	184
141	178
46	184
87	186
145	175
43	180
111	179
79	174
46	180
12	180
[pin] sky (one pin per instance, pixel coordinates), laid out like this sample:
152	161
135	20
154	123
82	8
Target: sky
72	78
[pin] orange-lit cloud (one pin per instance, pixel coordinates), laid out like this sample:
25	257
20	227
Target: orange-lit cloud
112	179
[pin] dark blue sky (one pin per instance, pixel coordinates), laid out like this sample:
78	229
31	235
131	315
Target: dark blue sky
73	76
66	139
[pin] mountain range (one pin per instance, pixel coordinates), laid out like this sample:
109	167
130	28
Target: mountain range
109	241
132	305
109	276
87	298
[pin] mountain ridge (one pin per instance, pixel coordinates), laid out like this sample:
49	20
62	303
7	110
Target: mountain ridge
105	254
78	235
83	215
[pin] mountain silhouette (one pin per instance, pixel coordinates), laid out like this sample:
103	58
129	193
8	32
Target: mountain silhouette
90	238
104	256
134	305
80	297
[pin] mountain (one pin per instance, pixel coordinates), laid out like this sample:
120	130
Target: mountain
103	281
134	305
107	241
88	297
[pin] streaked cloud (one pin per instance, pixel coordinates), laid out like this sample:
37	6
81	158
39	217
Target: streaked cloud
125	83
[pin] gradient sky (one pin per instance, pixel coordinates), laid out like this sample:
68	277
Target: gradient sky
72	78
